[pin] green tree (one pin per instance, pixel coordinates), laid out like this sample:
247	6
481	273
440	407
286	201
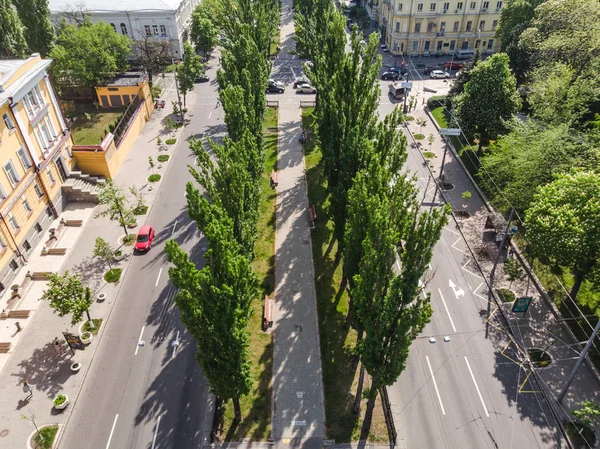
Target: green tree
203	33
188	70
463	76
214	303
563	224
39	32
513	270
588	413
421	122
67	295
89	54
118	207
103	251
490	99
12	34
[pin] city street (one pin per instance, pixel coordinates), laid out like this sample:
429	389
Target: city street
143	389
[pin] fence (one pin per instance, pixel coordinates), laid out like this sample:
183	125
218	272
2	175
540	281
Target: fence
272	103
123	124
387	412
308	104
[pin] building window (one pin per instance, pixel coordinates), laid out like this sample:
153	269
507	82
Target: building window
498	6
430	26
415	45
400	7
38	190
494	24
481	25
113	27
8	121
397	27
13	265
420	7
3	194
155	29
38	228
124	29
33	101
13	221
147	30
456	25
163	30
459	5
11	172
417	27
486	5
24	158
2	245
50	176
490	44
26	205
442	28
432	7
452	45
469	25
473	5
46	134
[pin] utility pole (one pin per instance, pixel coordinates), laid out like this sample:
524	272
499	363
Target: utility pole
447	132
502	243
567	384
177	90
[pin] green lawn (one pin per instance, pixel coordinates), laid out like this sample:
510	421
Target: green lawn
256	407
91	124
45	438
340	369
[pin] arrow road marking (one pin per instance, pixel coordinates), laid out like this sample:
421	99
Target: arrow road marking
457	292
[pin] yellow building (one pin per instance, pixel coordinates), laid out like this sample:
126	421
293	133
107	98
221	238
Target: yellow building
427	27
35	154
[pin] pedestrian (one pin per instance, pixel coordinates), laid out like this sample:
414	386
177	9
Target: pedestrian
58	346
28	389
218	103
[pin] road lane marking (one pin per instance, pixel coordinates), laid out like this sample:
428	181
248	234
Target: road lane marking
477	388
209	114
435	386
156	432
158	277
458	292
137	346
174	224
112	431
447	311
175	344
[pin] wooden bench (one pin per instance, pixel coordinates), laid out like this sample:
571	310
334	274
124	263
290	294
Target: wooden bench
75	223
4	347
19	313
268	313
57	251
273	179
312	216
40	275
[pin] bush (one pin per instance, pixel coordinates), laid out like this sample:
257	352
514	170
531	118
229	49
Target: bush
60	399
112	276
506	295
436	101
92	330
128	239
154	178
140	210
419	136
170	141
155	91
408	118
48	434
429	154
163	158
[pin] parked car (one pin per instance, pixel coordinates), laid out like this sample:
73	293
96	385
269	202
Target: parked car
300	81
427	70
275	87
306	89
202	79
384	48
451	65
426	54
143	242
390	76
401	70
436	74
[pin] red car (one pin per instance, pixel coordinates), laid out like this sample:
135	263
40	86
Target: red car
451	65
144	238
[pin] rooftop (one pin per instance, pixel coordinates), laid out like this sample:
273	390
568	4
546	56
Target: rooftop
11	81
127	79
56	6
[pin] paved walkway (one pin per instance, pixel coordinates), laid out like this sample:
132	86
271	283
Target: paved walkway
33	356
298	405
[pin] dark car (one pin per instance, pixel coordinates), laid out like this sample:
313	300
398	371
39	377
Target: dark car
275	87
401	70
202	79
427	70
390	76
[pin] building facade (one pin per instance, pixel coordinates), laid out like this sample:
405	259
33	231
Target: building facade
35	154
160	19
429	27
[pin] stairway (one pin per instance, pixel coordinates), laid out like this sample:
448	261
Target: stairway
82	188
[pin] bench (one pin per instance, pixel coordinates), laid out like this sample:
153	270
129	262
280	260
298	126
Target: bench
312	216
268	313
273	179
4	347
19	313
56	251
75	223
40	275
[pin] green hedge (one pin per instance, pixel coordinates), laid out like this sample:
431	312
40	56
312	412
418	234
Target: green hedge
436	101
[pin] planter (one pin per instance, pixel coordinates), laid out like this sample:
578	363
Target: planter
101	297
87	338
132	224
581	435
49	432
61	402
446	186
75	367
462	214
539	357
506	295
118	256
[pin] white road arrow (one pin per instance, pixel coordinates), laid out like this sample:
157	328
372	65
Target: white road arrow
458	292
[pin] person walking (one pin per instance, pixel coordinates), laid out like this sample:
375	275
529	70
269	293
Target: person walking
58	346
28	389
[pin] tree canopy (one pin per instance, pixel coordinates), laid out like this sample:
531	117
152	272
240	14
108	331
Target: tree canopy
188	70
39	32
203	32
12	33
68	295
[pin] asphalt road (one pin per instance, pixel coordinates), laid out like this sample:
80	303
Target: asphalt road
469	391
151	396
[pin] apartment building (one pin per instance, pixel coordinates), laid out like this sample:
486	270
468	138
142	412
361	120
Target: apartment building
429	27
35	155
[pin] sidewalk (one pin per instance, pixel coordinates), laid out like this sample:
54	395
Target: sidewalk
33	356
298	404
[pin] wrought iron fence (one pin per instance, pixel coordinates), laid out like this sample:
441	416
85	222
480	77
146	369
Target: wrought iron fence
387	412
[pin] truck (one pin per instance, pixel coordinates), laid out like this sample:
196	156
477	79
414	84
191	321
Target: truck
397	91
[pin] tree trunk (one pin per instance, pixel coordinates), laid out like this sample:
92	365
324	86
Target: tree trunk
576	286
237	409
361	378
349	314
123	221
87	312
366	427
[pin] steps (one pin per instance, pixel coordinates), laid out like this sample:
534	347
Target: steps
82	187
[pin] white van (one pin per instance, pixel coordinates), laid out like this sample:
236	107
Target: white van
465	54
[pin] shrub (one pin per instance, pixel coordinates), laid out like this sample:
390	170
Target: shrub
156	91
163	158
505	295
154	178
112	276
419	136
436	101
118	253
140	210
45	438
429	154
408	118
170	141
60	399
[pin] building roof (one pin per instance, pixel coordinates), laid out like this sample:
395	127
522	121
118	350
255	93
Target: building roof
9	85
127	79
57	6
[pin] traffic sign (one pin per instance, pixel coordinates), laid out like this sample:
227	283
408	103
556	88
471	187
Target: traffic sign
450	131
522	304
74	341
406	84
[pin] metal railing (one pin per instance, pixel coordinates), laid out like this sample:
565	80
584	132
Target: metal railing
389	418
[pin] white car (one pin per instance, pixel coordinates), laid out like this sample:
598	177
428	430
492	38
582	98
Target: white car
306	89
435	74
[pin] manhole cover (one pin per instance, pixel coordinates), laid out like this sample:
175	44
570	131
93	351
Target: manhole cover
4	432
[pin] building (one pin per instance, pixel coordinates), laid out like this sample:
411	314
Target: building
429	27
160	19
35	154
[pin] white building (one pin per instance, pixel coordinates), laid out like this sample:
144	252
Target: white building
161	19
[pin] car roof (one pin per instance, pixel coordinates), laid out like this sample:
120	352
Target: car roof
145	229
438	71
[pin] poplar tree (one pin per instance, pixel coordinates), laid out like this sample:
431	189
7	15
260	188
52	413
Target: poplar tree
12	37
39	32
188	70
